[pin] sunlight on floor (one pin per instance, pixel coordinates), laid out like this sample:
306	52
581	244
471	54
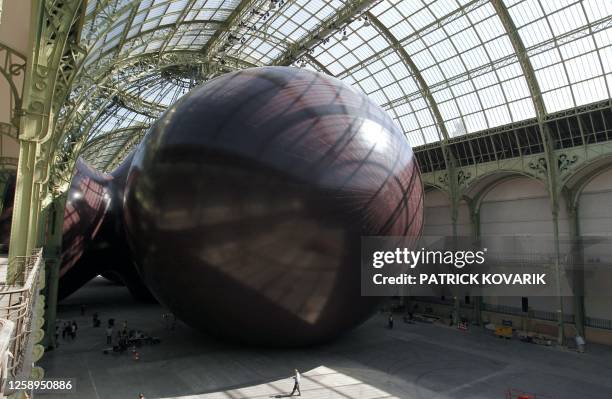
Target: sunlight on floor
321	383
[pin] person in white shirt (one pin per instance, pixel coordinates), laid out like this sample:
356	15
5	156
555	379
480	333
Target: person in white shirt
296	384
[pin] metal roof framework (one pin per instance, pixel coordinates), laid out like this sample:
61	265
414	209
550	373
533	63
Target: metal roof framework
442	69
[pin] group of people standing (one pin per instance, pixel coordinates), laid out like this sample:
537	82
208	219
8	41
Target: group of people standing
69	330
122	334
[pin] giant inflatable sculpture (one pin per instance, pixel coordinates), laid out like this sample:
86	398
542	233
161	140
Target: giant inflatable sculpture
243	208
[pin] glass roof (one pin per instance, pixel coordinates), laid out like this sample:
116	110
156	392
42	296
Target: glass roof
407	55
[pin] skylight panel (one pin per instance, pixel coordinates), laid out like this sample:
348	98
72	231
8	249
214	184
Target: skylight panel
431	134
169	19
423	59
390	17
498	116
492	96
525	12
475	122
424	117
452	67
442	7
433	75
176	6
557	100
490	29
421	19
369	85
522	109
583	67
468	103
465	40
449	110
552	6
462	88
443	50
590	90
499	48
484	80
597	9
516	89
567	19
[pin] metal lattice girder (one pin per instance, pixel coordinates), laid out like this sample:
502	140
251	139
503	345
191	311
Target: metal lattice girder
95	150
137	104
83	113
324	30
177	24
68	148
111	71
49	68
117	75
249	13
47	81
124	151
72	58
318	65
102	140
125	72
126	29
76	119
589	29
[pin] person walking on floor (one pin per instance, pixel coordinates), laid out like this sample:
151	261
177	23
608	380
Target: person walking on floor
296	384
390	321
109	335
73	329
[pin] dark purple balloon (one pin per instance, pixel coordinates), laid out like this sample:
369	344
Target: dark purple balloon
99	245
93	239
247	200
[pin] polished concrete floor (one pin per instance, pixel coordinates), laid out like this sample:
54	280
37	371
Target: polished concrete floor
412	361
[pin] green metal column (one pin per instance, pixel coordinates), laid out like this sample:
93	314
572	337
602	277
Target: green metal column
558	271
454	208
578	270
52	251
30	125
20	224
35	210
552	172
475	224
560	313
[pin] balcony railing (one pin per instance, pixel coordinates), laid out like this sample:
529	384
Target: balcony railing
17	299
7	329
